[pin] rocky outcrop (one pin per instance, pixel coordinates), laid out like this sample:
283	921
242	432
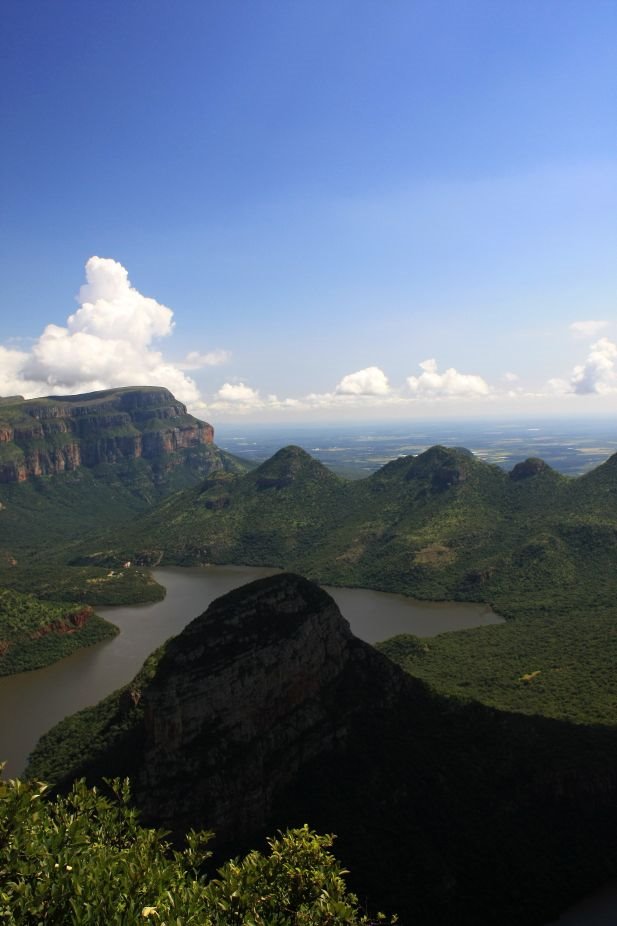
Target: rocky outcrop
245	698
533	466
70	623
42	437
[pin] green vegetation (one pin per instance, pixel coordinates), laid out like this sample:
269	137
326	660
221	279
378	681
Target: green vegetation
34	633
440	526
486	725
560	666
539	547
84	860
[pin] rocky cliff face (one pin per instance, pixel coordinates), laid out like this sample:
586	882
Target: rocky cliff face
42	437
257	688
266	712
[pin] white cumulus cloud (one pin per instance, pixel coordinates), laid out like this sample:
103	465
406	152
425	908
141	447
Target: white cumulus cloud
238	392
431	384
587	329
370	381
107	342
598	374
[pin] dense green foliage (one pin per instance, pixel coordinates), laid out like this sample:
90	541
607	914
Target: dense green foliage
46	522
84	860
560	667
443	525
34	633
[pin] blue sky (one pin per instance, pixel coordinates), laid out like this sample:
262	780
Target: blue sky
352	209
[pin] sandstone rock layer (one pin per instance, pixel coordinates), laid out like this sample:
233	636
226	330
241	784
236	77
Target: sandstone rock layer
42	437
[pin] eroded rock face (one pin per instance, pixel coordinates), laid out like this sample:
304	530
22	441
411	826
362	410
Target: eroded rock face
249	694
42	437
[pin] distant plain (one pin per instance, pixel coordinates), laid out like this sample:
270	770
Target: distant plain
571	446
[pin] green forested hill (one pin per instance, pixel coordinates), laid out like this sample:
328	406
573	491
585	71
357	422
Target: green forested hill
441	525
46	522
34	633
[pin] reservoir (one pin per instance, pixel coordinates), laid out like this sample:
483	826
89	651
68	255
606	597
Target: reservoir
32	702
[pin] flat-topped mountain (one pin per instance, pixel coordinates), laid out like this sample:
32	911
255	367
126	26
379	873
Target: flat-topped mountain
267	712
40	437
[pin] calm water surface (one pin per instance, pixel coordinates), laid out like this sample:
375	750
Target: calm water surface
32	702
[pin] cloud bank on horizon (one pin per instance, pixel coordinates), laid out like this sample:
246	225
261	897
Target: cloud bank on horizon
109	342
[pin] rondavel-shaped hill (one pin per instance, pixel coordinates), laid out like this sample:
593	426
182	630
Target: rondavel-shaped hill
266	711
441	525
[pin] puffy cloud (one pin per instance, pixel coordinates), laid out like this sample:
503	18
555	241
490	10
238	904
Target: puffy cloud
367	388
451	384
587	329
112	309
511	377
238	392
370	381
107	342
598	374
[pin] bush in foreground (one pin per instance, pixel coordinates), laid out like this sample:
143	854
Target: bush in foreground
84	860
